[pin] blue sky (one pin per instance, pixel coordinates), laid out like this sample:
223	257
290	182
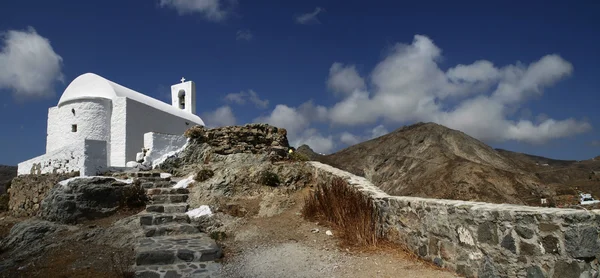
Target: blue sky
519	75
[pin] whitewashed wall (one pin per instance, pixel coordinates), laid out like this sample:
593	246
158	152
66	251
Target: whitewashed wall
92	117
118	132
159	144
141	119
87	156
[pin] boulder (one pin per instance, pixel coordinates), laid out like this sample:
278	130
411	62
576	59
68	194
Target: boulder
89	198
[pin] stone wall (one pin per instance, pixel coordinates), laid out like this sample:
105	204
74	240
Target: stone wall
250	138
27	192
486	240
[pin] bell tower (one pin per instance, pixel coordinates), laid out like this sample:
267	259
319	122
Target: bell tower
183	96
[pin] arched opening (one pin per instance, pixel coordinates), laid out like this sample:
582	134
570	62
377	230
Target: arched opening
181	96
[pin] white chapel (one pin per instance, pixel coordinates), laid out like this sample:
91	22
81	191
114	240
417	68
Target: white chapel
98	124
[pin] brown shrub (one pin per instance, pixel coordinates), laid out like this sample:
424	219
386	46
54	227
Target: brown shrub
4	202
203	175
269	178
195	132
351	213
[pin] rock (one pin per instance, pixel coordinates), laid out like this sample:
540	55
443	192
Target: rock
509	243
582	242
89	198
524	232
528	249
551	245
487	233
548	227
329	233
26	239
564	269
28	233
488	270
535	272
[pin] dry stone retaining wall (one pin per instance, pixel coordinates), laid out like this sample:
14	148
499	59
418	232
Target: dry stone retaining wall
28	191
478	239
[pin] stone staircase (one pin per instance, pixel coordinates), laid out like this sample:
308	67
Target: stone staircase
172	247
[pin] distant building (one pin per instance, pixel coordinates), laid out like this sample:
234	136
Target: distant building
99	124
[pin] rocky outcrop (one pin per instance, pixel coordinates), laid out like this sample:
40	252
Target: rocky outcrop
268	142
27	192
251	138
89	198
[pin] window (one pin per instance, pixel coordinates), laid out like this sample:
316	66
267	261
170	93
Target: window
181	96
73	128
73	111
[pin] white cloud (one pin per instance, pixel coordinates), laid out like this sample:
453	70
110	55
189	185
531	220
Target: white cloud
344	79
309	18
250	95
244	35
222	116
378	131
349	138
212	10
286	117
409	86
28	64
314	140
296	121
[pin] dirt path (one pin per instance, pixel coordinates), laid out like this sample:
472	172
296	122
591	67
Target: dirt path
286	245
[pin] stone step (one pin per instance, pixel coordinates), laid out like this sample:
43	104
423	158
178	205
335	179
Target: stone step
142	174
168	208
166	250
168	198
157	184
170	229
162	218
170	190
198	269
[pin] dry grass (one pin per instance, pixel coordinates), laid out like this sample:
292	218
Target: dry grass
349	211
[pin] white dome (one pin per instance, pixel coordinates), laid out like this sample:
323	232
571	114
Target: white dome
90	85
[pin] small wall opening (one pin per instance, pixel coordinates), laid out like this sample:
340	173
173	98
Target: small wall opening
181	96
73	111
73	128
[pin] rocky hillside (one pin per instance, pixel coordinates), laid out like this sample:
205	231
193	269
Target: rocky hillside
7	173
430	160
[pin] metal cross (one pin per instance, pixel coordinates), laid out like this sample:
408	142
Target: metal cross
182	80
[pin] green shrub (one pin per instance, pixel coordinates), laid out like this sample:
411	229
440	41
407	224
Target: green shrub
204	174
269	178
296	156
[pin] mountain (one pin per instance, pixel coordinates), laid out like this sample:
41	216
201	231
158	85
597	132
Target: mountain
308	152
430	160
7	173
